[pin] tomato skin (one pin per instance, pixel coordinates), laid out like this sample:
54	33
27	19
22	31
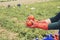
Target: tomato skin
31	17
28	23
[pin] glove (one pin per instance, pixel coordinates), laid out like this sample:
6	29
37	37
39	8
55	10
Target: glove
29	23
35	24
32	23
40	25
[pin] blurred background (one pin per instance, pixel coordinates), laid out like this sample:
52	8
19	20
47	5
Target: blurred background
13	14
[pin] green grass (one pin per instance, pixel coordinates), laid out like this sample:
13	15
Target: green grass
13	18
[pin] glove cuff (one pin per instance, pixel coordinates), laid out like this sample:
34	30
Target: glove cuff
43	26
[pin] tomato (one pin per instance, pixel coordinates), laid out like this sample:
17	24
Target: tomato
31	17
28	23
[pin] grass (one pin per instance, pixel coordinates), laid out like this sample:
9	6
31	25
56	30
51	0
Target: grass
13	19
6	0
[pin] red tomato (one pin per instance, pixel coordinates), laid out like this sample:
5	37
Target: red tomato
31	17
28	23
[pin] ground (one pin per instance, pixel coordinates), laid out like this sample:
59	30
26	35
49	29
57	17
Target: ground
12	20
12	3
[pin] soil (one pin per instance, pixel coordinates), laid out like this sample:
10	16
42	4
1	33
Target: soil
14	3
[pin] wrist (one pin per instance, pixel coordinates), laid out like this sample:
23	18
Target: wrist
43	26
48	21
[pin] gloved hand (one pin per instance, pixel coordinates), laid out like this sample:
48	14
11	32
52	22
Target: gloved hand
29	23
32	23
40	25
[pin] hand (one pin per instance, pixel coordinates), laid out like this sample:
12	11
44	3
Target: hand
40	25
32	23
29	23
35	24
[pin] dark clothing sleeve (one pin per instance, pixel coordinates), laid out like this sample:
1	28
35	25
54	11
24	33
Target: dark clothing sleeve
54	26
55	18
55	23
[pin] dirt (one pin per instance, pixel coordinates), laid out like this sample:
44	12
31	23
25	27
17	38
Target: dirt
7	34
14	3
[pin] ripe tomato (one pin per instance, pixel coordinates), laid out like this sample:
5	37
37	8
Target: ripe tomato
31	17
28	23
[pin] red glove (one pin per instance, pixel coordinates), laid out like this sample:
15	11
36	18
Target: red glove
32	23
29	23
35	24
40	25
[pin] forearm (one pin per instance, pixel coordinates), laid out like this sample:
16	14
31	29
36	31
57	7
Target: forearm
51	23
51	26
48	21
54	23
54	26
53	19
